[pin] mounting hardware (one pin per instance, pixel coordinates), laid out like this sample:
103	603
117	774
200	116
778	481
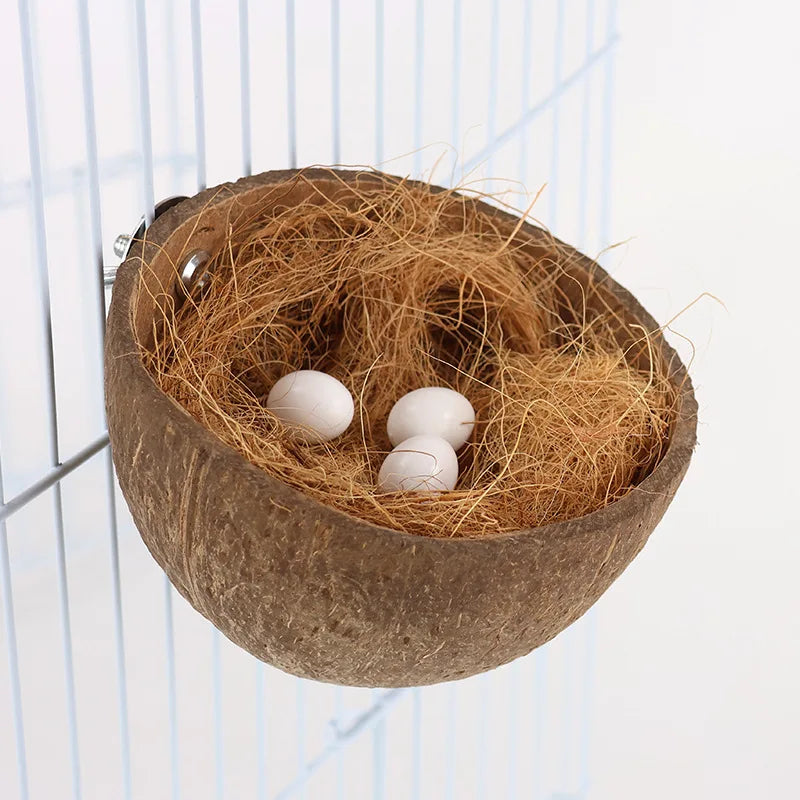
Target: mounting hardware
124	242
194	276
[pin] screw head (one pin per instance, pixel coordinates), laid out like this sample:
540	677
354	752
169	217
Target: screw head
194	276
122	244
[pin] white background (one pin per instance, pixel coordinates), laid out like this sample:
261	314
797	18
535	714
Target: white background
698	643
697	682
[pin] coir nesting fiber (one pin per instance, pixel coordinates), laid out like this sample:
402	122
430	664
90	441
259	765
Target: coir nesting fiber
586	424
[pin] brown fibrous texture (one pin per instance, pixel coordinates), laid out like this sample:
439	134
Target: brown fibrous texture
390	287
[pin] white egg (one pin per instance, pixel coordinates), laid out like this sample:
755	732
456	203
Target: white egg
433	411
419	464
315	403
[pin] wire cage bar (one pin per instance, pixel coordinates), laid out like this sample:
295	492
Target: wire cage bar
112	685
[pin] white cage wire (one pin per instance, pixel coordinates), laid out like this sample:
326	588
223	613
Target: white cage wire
113	686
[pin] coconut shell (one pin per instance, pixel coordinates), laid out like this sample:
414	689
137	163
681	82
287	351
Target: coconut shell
314	591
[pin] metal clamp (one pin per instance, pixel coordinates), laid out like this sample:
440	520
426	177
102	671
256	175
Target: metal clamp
194	276
124	242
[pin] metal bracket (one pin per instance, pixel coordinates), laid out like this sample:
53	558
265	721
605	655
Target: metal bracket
194	276
124	242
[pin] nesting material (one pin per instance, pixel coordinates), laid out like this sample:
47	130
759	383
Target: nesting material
390	287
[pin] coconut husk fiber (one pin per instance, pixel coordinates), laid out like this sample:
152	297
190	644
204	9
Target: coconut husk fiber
585	423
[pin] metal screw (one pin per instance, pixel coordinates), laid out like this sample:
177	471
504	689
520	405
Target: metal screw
193	276
122	244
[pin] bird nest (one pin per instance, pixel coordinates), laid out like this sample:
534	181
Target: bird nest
390	285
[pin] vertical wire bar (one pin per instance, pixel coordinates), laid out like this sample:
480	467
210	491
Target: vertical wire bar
66	628
568	714
41	258
219	762
605	206
7	596
92	168
338	700
416	743
199	95
172	90
119	630
483	721
491	113
244	82
378	754
419	65
196	23
145	128
513	729
172	704
148	196
96	228
539	696
539	659
302	767
379	731
379	59
261	734
455	110
555	150
450	756
336	100
585	130
291	84
527	35
147	148
605	236
575	738
588	676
